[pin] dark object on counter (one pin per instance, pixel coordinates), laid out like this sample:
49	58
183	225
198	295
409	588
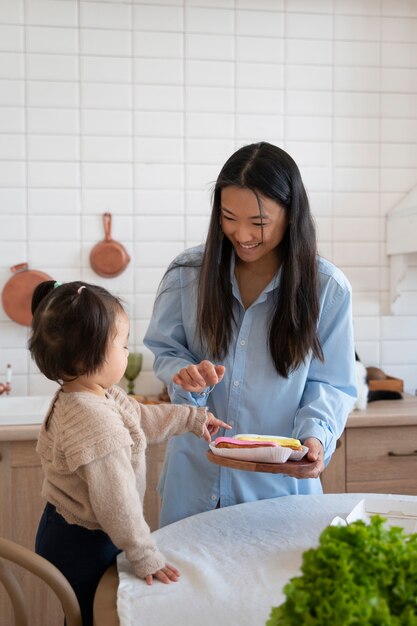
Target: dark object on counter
17	292
109	257
381	394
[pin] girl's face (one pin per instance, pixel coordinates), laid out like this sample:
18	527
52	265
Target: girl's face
252	238
115	364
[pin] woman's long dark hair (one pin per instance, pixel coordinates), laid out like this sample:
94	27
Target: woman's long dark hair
269	171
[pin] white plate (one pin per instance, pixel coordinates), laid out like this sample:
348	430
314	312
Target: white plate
276	454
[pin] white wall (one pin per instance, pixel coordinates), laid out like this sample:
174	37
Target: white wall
134	106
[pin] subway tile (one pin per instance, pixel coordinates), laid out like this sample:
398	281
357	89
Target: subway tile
165	176
159	228
203	176
398	130
268	101
399	80
308	26
53	228
406	8
398	54
12	93
53	147
11	11
301	102
198	201
12	228
158	18
306	6
52	67
357	229
116	201
209	125
398	155
399	29
317	178
13	336
51	13
107	175
52	94
260	5
306	153
323	228
53	201
12	174
52	40
12	147
357	28
398	328
363	278
99	15
356	154
308	128
398	105
356	129
106	96
159	202
105	42
158	124
17	357
209	47
367	328
49	174
259	49
211	151
60	254
360	204
159	150
158	97
357	53
320	203
260	23
109	149
95	69
366	79
366	302
39	385
145	282
357	7
43	120
225	4
12	120
196	226
356	253
351	104
12	201
309	77
11	65
356	179
147	254
308	52
121	227
398	352
158	44
259	126
207	20
399	179
101	122
210	99
11	38
209	73
260	75
158	71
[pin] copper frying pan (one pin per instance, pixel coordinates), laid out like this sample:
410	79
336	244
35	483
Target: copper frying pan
108	258
17	292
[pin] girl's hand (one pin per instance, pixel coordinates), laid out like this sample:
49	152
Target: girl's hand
165	575
196	378
211	427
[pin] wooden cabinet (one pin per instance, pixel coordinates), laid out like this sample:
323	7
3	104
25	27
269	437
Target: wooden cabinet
378	451
20	511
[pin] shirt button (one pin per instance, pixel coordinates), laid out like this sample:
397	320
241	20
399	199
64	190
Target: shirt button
213	498
236	383
243	342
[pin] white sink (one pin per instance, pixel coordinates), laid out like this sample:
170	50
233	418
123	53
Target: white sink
16	410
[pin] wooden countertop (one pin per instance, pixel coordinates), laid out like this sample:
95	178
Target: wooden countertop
381	413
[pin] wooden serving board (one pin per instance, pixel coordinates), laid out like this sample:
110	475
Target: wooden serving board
292	468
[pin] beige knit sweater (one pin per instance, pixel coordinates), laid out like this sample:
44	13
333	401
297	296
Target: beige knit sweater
93	457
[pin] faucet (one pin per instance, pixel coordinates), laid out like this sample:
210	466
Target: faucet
6	387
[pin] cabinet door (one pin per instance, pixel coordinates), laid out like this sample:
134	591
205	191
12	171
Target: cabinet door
20	489
333	479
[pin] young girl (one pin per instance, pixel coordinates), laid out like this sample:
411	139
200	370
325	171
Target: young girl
256	326
93	440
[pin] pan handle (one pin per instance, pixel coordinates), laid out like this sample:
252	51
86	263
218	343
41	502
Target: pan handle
107	225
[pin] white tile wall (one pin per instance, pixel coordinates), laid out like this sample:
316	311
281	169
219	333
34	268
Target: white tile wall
132	106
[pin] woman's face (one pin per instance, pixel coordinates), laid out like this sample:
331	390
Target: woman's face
252	238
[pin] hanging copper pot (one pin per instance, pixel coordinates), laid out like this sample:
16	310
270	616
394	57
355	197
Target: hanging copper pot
17	292
108	258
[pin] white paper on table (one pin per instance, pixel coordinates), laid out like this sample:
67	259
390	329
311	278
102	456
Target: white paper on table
397	512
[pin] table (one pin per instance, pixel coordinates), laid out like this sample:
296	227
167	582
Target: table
233	561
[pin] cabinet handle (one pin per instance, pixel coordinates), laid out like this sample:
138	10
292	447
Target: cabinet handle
391	453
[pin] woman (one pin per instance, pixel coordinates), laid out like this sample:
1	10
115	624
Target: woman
257	327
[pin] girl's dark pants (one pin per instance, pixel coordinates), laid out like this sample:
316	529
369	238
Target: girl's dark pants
82	555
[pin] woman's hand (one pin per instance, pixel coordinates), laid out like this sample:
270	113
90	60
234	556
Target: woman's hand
165	575
196	378
315	454
211	427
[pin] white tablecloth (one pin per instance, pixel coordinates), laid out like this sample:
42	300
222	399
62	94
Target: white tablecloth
234	562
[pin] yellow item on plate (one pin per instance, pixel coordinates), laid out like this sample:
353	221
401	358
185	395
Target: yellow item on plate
285	442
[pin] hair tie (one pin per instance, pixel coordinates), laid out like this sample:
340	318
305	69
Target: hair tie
80	289
57	284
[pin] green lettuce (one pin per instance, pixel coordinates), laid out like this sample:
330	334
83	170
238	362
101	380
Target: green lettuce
360	575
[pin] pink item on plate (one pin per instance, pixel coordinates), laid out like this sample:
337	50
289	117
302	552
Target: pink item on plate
245	443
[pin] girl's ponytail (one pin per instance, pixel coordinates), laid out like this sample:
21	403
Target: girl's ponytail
41	291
